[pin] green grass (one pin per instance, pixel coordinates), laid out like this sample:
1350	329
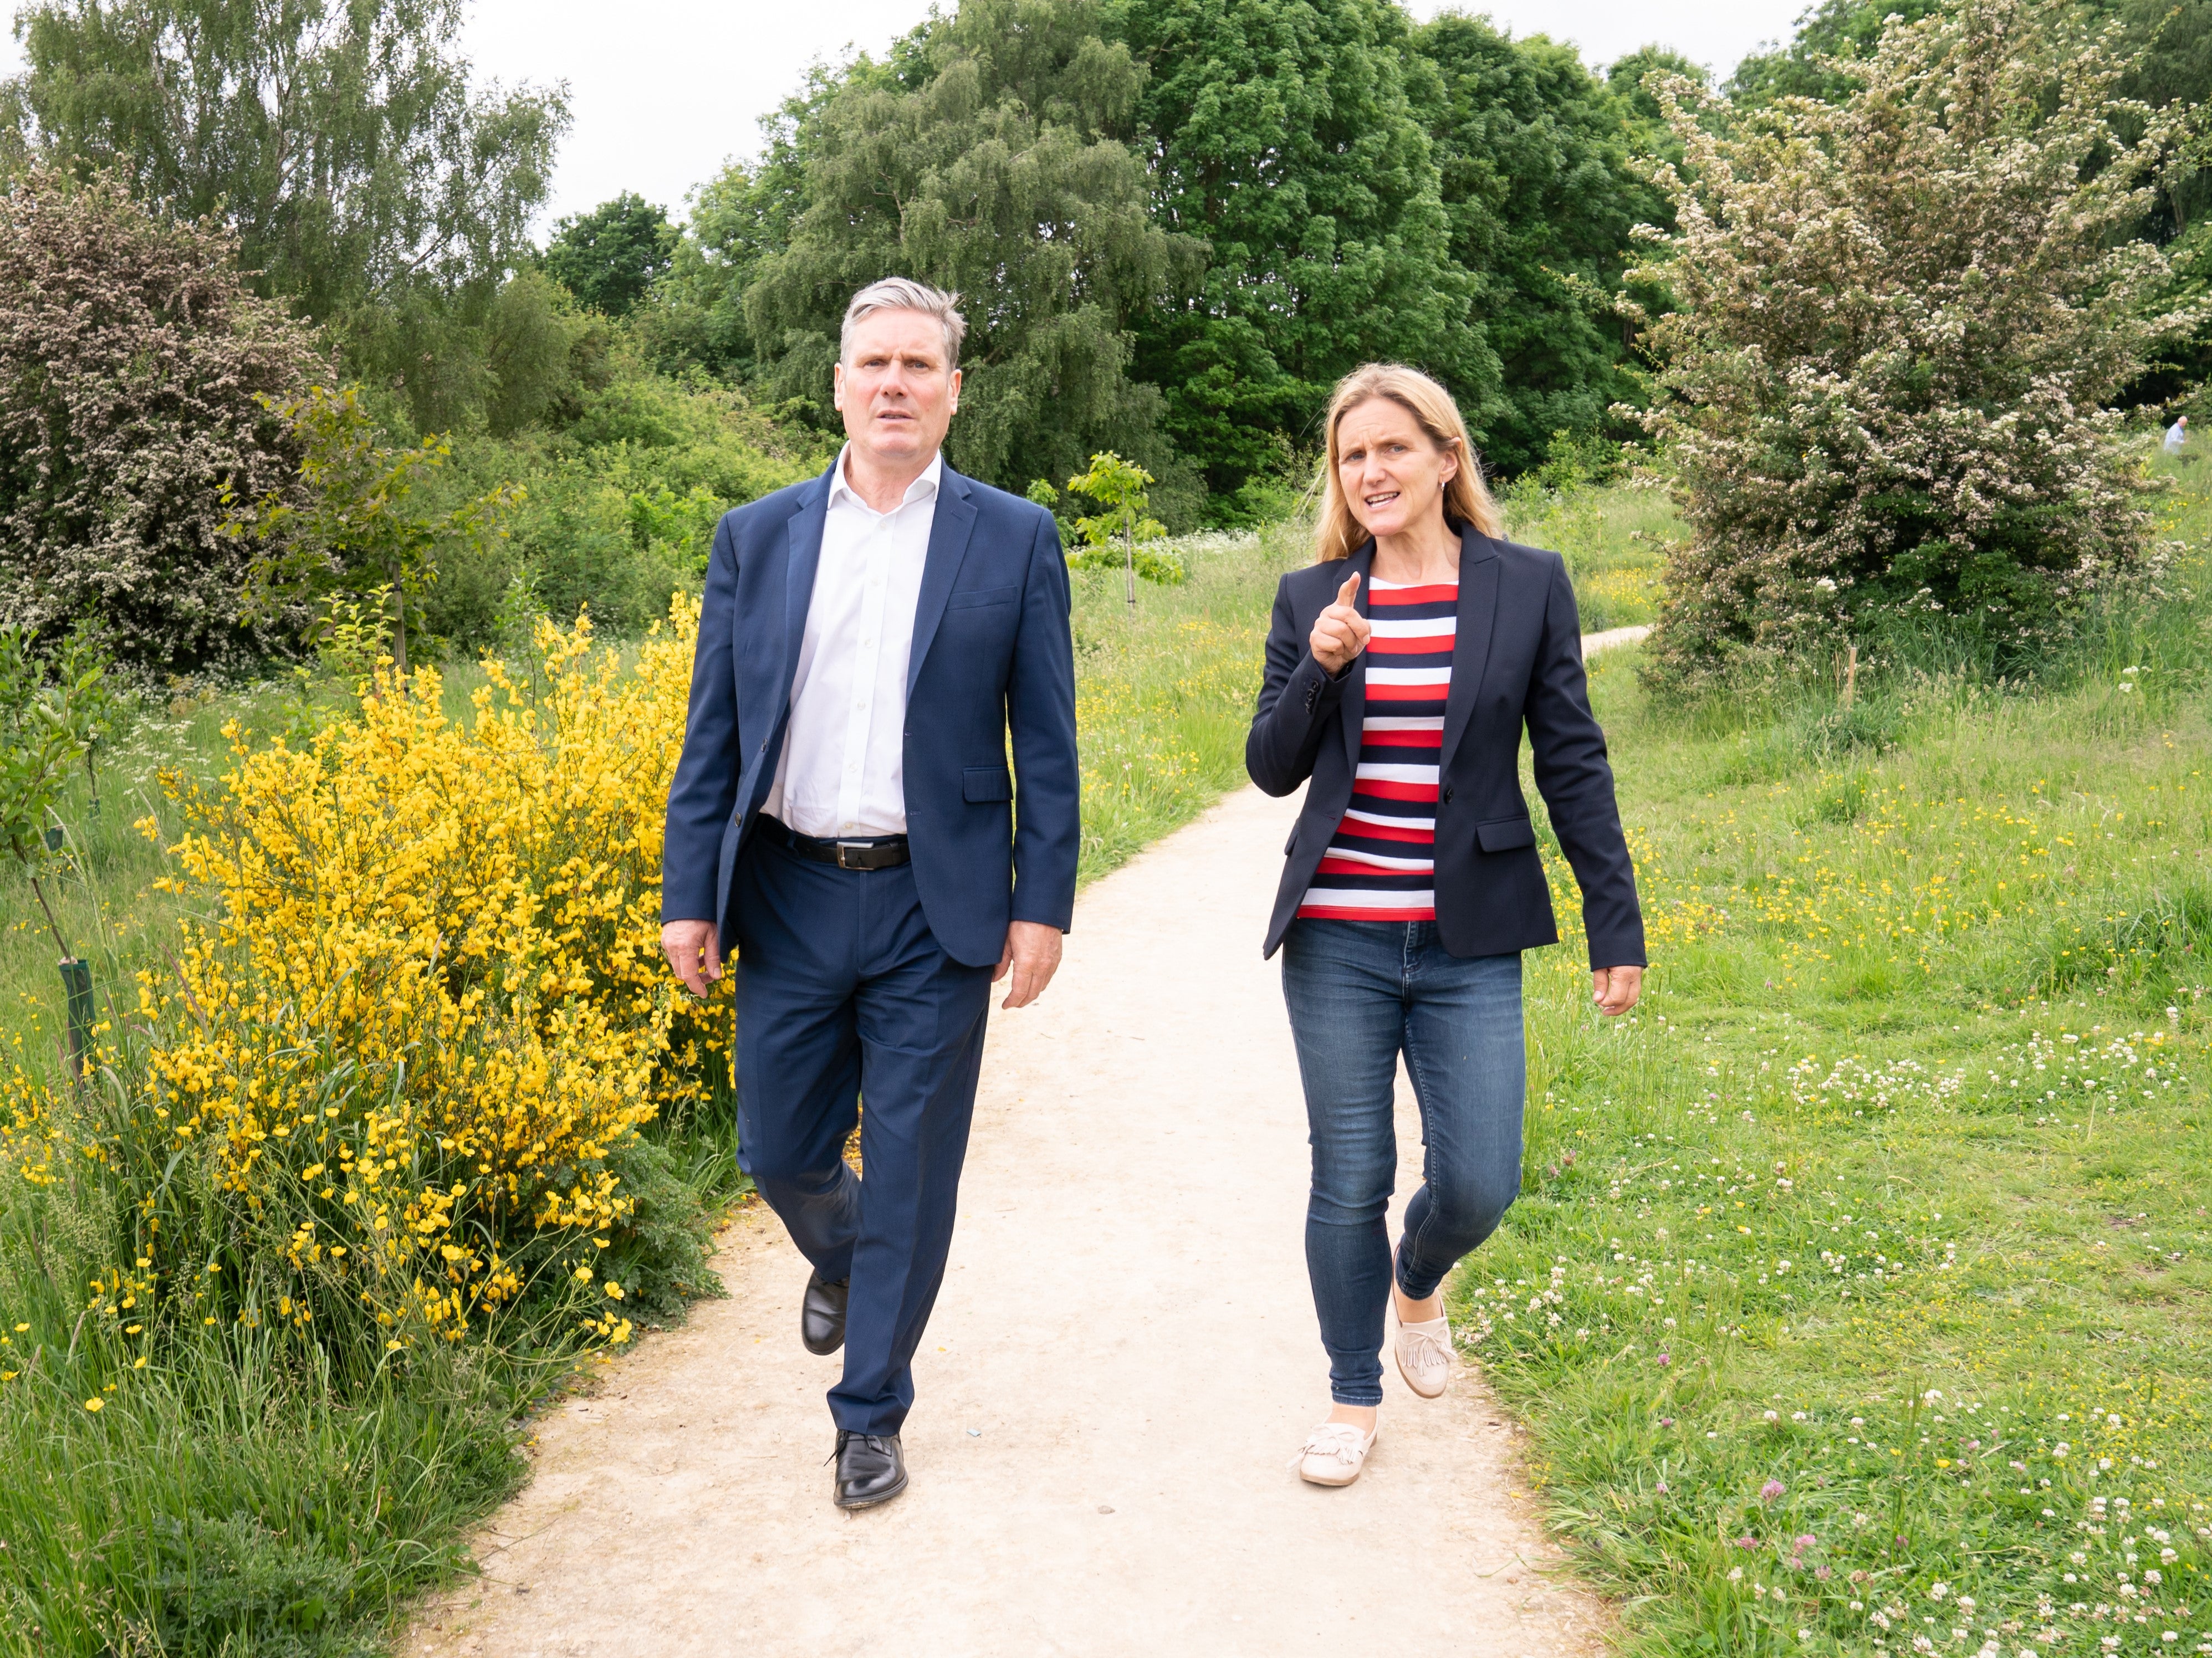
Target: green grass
1882	1223
1165	693
1614	540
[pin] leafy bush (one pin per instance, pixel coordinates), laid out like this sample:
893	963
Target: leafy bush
1900	315
133	369
617	505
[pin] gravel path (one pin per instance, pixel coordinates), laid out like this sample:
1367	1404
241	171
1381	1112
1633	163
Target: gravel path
1121	1365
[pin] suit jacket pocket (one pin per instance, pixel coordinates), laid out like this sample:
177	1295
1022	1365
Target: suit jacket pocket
987	783
1504	834
983	596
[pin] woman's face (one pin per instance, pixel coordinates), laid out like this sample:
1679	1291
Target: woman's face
1391	473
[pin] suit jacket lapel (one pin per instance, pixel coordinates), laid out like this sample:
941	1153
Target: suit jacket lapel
949	530
804	533
1354	703
1478	614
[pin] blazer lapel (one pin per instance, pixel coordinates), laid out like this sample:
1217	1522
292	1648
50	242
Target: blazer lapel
804	533
948	544
1354	703
1478	614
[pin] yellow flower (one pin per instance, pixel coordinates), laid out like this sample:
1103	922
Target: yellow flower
614	1290
95	1404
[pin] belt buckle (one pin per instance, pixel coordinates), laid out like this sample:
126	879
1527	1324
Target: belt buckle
855	846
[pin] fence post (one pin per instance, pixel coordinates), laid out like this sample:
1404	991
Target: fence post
76	980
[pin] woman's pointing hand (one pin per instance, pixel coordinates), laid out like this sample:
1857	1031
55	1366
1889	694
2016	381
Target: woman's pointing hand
1340	633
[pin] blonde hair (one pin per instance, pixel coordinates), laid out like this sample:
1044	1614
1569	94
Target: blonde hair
1337	533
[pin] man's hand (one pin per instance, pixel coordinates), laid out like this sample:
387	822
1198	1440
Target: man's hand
1032	956
1616	988
694	948
1339	632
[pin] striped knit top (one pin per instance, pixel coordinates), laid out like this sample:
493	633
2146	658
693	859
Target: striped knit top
1381	863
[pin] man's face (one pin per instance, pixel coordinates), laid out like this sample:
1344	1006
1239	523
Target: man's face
894	389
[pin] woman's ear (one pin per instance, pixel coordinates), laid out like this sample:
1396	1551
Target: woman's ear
1451	462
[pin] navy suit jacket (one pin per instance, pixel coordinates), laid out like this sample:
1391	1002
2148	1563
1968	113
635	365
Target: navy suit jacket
992	654
1517	661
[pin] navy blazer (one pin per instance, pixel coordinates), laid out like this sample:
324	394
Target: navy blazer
1517	661
992	654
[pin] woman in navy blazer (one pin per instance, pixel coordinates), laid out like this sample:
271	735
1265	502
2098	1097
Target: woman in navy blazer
1402	668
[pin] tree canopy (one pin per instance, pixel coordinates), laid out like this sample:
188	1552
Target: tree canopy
1287	134
610	258
986	157
1534	153
365	180
133	367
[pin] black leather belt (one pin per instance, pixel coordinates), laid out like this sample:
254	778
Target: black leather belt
881	852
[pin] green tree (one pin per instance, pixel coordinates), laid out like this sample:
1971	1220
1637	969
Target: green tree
1286	133
361	522
983	159
610	258
1901	321
739	218
1115	533
363	178
1537	180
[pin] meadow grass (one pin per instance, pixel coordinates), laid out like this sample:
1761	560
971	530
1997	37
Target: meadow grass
1615	541
1857	1295
1165	692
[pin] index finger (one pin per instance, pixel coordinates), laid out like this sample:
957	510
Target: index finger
1344	594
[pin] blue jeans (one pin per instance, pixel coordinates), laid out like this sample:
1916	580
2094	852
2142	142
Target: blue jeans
1360	992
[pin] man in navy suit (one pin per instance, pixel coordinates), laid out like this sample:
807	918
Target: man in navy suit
844	816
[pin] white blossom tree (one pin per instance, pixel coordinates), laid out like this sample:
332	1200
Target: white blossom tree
1901	320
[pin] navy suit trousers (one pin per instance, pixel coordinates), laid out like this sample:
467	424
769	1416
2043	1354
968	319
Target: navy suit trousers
844	994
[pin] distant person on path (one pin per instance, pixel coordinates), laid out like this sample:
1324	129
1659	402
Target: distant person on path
2176	435
1402	669
843	817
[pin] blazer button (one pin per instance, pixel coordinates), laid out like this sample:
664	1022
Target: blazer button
1447	794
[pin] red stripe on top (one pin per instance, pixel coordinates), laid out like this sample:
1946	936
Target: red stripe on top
1339	878
1389	739
1441	592
1382	788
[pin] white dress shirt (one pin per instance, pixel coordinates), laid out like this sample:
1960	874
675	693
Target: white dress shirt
843	768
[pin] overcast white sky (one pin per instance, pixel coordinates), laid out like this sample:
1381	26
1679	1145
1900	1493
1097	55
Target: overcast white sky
663	90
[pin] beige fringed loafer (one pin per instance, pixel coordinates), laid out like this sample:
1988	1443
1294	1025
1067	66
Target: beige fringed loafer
1335	1453
1424	1354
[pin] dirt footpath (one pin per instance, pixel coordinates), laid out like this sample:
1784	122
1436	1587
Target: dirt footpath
1123	1362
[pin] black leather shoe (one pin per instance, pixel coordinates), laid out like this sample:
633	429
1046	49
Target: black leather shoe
871	1469
821	1314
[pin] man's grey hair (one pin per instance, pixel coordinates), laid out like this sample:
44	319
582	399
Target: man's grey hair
904	294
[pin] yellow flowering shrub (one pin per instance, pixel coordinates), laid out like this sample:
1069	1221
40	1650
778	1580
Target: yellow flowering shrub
404	1054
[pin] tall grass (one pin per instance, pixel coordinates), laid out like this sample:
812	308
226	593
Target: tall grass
1615	541
1164	691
